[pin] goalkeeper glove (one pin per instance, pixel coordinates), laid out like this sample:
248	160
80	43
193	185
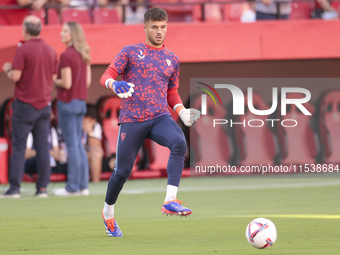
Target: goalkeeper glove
188	116
123	89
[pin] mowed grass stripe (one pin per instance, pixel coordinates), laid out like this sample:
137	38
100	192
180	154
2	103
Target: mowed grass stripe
74	226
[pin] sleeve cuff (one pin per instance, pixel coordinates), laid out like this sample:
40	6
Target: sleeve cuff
178	108
107	83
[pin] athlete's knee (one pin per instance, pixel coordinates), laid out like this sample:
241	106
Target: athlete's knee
122	175
118	178
179	145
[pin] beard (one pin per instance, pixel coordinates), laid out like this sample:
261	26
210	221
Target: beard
154	42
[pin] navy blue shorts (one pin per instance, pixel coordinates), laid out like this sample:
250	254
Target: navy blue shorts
164	131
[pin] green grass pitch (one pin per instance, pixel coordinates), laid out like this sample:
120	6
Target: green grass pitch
306	212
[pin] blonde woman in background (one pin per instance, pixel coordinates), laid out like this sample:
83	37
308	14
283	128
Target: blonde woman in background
72	83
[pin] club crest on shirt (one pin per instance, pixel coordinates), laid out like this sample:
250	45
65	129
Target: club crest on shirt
168	62
141	56
122	136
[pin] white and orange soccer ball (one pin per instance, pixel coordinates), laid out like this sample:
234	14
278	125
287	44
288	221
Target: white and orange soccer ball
261	233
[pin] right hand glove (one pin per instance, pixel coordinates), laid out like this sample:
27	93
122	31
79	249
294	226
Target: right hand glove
189	116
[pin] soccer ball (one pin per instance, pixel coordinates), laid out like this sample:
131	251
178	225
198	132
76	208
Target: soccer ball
261	233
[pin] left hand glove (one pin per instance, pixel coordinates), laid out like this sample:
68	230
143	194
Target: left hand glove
189	116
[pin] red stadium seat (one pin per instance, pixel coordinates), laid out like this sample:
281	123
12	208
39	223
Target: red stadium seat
7	129
108	109
158	155
212	12
300	10
329	126
232	11
176	13
5	140
155	168
80	16
52	16
108	117
106	16
145	174
3	160
209	147
336	6
299	144
158	158
256	145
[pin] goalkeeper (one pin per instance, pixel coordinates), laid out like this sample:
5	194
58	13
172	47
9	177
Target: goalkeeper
150	79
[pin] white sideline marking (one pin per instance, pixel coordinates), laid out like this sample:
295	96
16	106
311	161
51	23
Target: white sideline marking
235	187
130	188
301	216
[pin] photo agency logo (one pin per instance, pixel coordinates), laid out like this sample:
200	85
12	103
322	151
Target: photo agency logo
238	102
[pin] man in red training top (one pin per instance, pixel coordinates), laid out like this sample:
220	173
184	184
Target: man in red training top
33	70
150	79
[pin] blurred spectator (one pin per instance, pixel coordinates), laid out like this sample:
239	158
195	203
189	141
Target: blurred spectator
130	12
134	13
62	2
324	10
84	4
16	16
33	70
109	163
73	81
38	4
13	16
93	142
56	156
77	5
268	9
248	13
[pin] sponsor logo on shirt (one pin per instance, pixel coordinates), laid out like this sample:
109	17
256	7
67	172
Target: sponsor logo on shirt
141	56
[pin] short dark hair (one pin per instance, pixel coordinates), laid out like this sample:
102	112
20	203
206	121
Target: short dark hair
33	29
155	14
91	111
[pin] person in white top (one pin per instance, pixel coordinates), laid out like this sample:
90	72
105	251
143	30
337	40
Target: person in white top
56	154
93	142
